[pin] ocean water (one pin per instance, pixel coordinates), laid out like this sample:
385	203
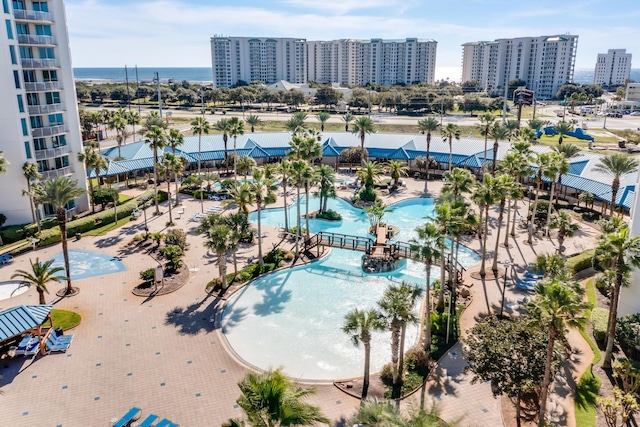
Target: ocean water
585	75
202	74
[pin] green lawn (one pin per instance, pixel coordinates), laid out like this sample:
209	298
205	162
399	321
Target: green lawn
64	319
104	229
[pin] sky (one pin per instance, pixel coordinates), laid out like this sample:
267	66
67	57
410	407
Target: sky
176	33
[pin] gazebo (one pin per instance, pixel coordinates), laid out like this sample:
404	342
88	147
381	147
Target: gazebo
22	319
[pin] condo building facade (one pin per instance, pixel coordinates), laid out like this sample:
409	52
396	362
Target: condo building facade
545	63
612	68
38	109
346	61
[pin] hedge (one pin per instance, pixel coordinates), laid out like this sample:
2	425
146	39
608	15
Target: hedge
581	261
599	320
50	236
87	223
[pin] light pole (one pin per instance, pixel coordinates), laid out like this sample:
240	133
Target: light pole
507	266
156	79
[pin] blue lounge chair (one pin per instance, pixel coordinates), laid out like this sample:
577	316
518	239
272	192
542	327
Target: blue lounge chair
24	344
33	348
148	422
533	275
525	286
132	415
166	423
52	344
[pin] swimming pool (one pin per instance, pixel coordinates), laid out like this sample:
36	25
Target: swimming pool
293	318
85	264
12	288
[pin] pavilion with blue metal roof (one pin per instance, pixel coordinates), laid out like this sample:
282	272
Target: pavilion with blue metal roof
23	319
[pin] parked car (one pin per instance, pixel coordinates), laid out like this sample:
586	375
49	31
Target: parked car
635	113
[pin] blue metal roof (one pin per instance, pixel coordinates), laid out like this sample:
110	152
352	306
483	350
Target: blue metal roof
20	319
577	167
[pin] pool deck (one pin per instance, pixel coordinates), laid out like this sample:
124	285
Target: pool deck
166	356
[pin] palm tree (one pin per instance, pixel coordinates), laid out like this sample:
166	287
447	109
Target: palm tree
457	182
89	156
245	165
486	122
513	129
566	227
285	180
568	151
272	400
322	118
396	170
557	164
543	160
426	126
369	174
347	118
133	119
299	170
359	325
156	138
236	127
616	165
449	132
41	273
562	128
175	139
363	126
118	122
488	192
219	239
505	183
536	125
527	135
326	177
253	121
170	163
31	173
558	305
97	119
240	194
223	126
621	251
428	246
497	132
264	194
58	192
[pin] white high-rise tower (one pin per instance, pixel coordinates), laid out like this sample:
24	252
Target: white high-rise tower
613	67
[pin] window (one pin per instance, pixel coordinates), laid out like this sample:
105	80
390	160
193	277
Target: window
22	29
36	121
32	99
29	76
43	165
20	104
53	98
16	79
5	6
59	141
55	119
9	30
62	162
12	52
39	144
43	30
27	149
18	4
26	52
25	129
47	53
50	75
41	6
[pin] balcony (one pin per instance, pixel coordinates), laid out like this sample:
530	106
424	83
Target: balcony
42	86
32	15
45	109
52	152
40	63
55	173
49	131
36	40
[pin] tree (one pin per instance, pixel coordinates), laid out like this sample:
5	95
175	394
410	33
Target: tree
427	126
272	400
557	166
253	121
88	156
396	170
543	160
118	121
41	273
562	128
497	132
31	174
200	125
616	165
170	164
568	151
58	192
285	180
156	138
487	193
449	132
369	174
327	95
363	126
557	306
236	127
245	165
359	325
566	227
326	177
376	413
347	118
219	239
240	195
486	123
509	354
175	139
300	170
322	118
620	252
223	126
264	194
353	155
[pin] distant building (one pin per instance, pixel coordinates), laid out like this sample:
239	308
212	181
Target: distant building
545	63
38	110
612	68
346	62
633	92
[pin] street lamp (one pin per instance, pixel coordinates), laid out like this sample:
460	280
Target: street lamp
156	79
507	266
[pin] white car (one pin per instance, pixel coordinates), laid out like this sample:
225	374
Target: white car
635	113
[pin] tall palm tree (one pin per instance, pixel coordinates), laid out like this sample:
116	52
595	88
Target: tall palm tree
133	119
200	125
323	117
542	160
562	128
568	151
245	165
253	121
363	126
359	324
566	227
369	174
3	163
326	177
299	170
428	247
347	118
170	163
97	119
89	156
497	132
41	273
156	137
240	194
427	126
271	399
557	165
285	180
449	132
219	240
505	184
489	192
175	139
512	164
513	129
31	174
223	126
264	194
180	164
58	192
558	305
396	170
236	127
486	122
118	122
616	165
621	251
458	182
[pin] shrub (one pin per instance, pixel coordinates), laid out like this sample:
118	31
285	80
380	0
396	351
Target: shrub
176	237
148	274
88	223
591	216
599	319
580	262
22	249
628	332
329	215
288	256
386	375
50	236
274	256
12	233
367	195
31	230
104	195
416	360
172	254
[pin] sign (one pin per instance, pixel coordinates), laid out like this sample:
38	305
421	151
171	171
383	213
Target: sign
523	96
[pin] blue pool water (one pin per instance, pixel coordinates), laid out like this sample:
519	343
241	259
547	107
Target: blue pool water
293	318
85	264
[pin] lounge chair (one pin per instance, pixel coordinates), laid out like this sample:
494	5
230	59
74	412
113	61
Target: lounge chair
132	415
33	348
527	279
166	423
525	286
22	347
53	345
148	422
533	275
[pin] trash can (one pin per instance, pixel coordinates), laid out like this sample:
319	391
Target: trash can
59	332
622	144
78	236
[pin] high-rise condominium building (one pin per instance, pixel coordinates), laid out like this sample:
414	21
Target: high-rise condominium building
545	63
348	61
613	67
38	111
